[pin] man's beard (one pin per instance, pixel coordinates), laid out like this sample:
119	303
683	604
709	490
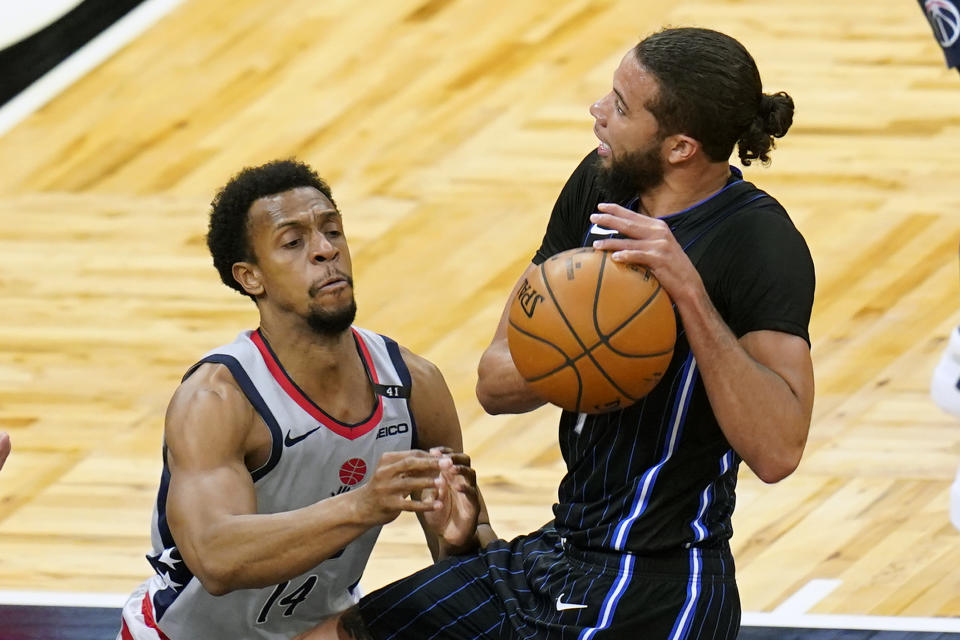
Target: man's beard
327	322
331	323
632	174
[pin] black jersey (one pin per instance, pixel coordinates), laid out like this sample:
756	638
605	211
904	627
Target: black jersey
660	475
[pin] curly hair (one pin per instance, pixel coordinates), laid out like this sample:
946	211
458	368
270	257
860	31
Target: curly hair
710	90
227	236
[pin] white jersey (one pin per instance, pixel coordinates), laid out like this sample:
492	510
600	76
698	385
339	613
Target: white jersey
313	457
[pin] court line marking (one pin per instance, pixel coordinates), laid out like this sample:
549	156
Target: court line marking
63	599
837	621
807	596
750	619
83	60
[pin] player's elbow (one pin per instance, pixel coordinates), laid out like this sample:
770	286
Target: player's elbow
489	400
218	578
774	467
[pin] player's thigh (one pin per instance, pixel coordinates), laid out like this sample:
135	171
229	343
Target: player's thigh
450	599
675	607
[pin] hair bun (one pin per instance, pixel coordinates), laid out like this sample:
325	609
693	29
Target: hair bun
776	112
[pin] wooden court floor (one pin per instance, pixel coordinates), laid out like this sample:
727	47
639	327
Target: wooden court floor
446	128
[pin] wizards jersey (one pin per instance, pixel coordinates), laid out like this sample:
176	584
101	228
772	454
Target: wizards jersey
313	457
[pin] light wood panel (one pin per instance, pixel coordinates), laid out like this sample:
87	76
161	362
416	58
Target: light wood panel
446	128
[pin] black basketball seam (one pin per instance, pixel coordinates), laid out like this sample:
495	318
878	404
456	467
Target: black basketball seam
582	354
568	362
605	338
583	347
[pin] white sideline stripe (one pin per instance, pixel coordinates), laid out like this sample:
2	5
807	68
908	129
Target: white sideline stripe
807	596
750	619
63	599
833	621
83	60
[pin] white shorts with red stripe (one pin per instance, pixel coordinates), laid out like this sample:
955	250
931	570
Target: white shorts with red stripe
137	620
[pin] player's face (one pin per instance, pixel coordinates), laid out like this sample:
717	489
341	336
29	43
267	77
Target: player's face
303	258
623	124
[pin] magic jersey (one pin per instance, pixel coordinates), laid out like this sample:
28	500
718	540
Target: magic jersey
659	476
313	457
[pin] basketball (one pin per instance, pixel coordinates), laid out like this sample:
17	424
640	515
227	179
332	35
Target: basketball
591	335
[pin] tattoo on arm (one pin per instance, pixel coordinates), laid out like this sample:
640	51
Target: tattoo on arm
353	626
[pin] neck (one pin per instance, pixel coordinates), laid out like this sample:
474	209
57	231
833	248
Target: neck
683	188
326	368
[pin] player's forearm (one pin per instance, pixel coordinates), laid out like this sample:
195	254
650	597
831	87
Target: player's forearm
258	550
500	387
764	420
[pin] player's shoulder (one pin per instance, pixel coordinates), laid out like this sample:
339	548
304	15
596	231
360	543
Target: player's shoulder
423	372
758	212
209	390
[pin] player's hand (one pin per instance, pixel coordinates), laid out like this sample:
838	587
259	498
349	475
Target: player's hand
455	522
398	476
4	447
649	242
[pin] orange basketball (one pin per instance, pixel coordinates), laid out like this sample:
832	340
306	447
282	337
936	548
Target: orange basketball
591	335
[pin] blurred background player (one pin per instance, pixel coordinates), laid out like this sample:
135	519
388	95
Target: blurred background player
944	19
286	450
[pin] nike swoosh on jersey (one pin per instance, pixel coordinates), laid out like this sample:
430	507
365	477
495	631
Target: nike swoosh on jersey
597	230
287	440
563	606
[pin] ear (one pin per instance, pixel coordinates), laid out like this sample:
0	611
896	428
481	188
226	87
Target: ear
249	277
679	148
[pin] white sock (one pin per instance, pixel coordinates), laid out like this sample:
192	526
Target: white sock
943	386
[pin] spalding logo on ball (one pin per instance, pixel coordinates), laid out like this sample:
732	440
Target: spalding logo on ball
591	335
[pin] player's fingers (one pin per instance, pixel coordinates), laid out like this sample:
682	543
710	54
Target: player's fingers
414	484
412	504
415	463
459	458
614	210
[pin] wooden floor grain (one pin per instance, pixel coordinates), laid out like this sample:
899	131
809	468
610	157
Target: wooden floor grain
446	128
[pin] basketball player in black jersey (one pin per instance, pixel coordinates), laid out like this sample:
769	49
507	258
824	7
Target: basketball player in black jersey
639	547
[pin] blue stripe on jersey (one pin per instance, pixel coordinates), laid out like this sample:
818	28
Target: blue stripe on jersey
165	536
682	626
649	477
406	380
613	597
738	180
706	498
249	390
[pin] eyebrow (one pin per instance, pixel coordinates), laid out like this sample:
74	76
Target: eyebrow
296	221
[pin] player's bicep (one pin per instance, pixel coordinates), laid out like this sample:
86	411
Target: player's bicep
767	279
789	357
205	437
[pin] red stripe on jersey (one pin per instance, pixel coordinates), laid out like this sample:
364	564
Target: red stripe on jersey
124	630
147	611
350	432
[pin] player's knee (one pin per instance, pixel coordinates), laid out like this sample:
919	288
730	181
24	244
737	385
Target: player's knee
350	626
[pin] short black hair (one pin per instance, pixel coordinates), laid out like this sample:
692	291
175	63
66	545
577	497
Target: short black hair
227	235
709	89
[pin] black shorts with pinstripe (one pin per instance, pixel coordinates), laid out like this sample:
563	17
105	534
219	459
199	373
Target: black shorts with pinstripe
536	586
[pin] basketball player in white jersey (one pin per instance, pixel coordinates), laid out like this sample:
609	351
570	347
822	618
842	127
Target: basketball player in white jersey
287	450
